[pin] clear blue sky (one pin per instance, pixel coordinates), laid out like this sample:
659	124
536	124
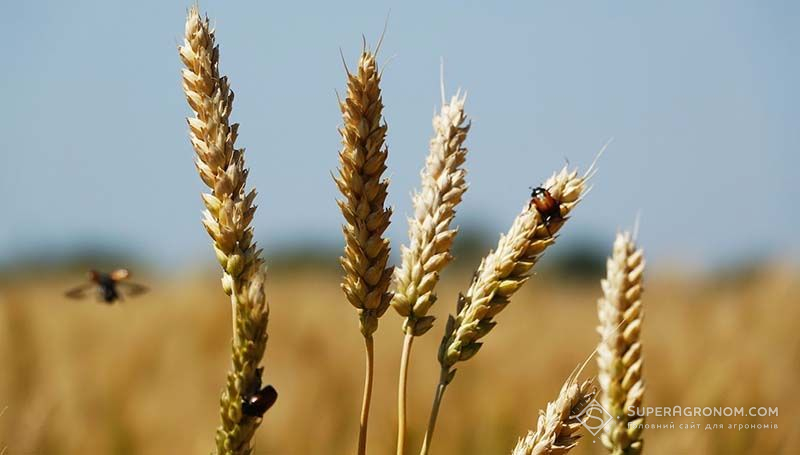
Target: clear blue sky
701	98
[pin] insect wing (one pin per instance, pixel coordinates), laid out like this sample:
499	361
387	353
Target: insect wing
131	289
79	292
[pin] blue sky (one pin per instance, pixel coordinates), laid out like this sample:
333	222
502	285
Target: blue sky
701	98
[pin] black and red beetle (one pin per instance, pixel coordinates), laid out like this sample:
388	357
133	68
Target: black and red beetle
549	208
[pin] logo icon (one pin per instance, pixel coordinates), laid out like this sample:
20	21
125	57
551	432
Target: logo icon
594	417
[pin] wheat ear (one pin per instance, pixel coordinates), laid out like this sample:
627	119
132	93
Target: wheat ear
429	232
362	162
501	273
229	211
430	236
556	430
619	356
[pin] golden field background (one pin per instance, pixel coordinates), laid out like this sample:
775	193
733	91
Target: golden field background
144	376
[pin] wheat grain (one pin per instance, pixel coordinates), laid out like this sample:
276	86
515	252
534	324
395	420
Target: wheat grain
556	430
362	162
229	211
619	356
430	235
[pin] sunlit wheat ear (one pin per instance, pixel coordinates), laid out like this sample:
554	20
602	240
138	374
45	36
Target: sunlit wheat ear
558	426
503	271
430	235
619	356
362	161
229	211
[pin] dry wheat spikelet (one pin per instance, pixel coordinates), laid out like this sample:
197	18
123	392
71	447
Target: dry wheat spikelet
503	271
229	211
619	356
362	161
557	428
430	235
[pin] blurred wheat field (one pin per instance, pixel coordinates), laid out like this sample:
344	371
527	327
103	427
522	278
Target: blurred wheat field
144	376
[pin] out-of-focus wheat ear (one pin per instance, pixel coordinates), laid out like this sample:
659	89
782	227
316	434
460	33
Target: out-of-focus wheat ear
619	356
558	426
362	162
229	212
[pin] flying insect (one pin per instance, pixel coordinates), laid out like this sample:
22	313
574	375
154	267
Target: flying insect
108	287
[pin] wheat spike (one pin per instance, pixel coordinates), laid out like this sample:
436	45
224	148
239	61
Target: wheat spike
503	271
362	162
430	235
619	356
229	211
556	430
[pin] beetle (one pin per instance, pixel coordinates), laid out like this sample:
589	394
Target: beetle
257	404
257	401
109	287
548	207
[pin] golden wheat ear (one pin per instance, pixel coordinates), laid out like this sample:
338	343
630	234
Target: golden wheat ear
362	162
429	231
430	235
558	425
229	211
504	270
619	356
501	274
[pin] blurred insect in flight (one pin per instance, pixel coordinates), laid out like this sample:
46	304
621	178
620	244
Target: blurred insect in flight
109	287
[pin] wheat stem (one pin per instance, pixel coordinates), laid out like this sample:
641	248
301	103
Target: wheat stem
365	404
619	356
437	402
408	340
